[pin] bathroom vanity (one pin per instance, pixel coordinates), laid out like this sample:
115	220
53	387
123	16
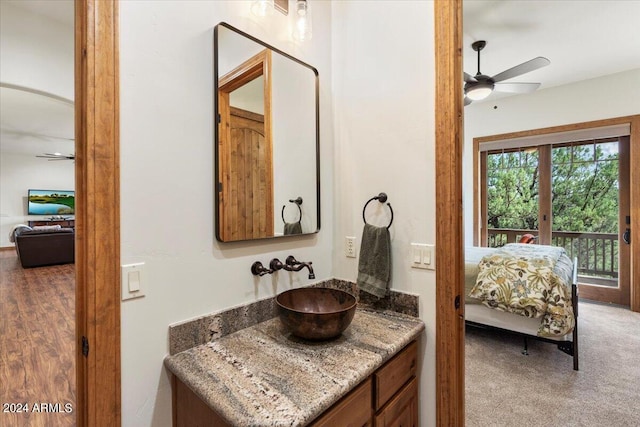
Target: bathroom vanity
264	376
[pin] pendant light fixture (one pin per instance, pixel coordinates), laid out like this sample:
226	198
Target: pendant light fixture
302	21
262	8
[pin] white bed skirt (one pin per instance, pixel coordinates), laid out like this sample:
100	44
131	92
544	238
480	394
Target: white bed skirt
487	316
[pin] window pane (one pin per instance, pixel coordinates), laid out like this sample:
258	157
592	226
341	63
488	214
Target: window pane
530	157
607	151
585	210
583	153
561	155
512	193
585	194
511	160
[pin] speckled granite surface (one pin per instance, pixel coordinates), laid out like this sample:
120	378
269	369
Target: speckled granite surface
189	334
195	332
264	376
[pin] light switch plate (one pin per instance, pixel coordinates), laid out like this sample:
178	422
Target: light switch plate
417	255
429	256
133	277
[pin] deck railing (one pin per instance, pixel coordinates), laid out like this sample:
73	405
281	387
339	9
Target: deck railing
597	252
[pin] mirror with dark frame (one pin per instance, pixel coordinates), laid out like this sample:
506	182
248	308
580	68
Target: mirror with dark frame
267	175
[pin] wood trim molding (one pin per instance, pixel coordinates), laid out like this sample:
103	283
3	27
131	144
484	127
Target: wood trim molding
634	198
477	226
545	211
484	235
557	129
251	69
449	239
97	213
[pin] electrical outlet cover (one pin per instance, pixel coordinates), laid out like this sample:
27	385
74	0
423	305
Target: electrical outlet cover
350	247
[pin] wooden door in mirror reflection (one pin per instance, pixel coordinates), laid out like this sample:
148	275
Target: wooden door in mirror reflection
245	153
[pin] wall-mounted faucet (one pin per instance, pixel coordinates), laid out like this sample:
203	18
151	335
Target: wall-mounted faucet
295	265
290	264
257	269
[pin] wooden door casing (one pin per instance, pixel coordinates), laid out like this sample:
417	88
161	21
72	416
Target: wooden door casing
97	218
449	334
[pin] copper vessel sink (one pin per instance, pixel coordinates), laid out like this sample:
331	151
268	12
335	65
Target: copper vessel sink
316	313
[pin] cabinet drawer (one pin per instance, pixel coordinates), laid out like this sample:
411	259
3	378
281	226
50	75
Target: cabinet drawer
402	410
394	374
354	410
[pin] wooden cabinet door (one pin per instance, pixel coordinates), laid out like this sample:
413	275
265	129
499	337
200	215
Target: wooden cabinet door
354	410
190	411
402	410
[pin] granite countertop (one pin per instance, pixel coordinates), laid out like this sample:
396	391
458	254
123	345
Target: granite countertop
264	376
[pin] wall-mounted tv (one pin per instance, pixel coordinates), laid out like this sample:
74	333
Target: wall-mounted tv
51	202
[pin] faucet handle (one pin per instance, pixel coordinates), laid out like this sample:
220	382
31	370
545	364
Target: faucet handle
291	261
257	269
276	265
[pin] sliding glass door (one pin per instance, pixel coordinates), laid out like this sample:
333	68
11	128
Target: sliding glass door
590	182
574	195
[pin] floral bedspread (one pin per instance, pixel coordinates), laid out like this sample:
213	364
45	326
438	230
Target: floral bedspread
529	280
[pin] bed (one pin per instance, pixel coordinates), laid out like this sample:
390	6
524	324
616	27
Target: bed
524	289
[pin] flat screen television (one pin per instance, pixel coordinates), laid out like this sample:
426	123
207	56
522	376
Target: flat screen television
51	202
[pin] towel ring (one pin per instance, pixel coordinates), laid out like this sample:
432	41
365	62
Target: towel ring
382	197
298	202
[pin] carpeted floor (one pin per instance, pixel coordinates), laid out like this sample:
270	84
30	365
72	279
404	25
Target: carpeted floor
505	388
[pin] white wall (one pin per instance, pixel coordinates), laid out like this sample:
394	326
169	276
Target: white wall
35	51
167	218
383	75
605	97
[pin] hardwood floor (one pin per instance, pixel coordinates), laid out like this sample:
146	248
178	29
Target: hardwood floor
37	344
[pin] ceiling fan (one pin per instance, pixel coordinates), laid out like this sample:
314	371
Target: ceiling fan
57	156
480	86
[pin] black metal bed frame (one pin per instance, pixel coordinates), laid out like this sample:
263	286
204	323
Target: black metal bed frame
568	347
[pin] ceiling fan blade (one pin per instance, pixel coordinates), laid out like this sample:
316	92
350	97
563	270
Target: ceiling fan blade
517	87
468	78
34	135
523	68
53	156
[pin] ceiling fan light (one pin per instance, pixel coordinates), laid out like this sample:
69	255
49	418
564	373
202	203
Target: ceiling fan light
479	91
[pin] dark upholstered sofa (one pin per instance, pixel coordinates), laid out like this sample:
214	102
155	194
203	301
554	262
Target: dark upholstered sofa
45	247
